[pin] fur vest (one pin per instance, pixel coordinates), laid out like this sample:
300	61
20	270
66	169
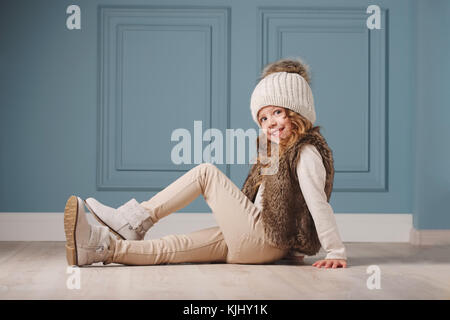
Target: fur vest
288	224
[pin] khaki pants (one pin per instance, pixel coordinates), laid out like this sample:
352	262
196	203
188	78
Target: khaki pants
238	238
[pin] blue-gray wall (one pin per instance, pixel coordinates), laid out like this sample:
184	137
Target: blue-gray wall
90	111
432	123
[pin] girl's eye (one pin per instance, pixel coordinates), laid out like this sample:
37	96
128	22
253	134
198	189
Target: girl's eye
273	112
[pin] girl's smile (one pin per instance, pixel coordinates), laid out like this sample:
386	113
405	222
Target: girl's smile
276	132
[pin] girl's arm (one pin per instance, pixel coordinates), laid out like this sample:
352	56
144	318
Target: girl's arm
311	175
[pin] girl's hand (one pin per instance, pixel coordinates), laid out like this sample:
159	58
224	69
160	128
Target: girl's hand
331	263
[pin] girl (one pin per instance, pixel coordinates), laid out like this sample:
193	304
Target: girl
282	214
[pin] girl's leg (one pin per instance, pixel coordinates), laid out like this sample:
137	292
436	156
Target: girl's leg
207	245
234	212
238	218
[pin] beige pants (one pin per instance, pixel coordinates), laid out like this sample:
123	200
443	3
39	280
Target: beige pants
238	238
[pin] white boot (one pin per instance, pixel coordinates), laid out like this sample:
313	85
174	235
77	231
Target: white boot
85	244
128	222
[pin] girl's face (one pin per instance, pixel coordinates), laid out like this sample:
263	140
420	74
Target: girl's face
275	123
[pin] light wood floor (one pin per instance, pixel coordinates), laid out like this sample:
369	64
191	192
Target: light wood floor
37	270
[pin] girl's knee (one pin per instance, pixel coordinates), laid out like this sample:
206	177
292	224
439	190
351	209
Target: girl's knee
207	166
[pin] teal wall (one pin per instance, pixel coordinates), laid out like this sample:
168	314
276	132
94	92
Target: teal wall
432	121
90	112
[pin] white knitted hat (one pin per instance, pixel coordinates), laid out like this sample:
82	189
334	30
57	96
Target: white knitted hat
283	89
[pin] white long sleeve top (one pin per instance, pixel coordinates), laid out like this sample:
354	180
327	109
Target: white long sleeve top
311	174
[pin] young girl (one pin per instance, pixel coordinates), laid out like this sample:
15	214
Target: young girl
282	214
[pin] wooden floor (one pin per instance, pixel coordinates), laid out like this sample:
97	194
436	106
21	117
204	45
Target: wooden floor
38	270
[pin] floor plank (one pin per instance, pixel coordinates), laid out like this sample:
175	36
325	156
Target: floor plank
38	270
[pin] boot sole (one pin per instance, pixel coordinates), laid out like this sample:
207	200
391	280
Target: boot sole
118	236
70	225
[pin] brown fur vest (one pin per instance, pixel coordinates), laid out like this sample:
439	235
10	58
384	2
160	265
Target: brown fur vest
287	221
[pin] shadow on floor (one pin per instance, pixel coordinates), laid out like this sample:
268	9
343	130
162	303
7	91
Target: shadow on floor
362	255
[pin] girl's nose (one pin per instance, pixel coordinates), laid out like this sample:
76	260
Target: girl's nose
272	122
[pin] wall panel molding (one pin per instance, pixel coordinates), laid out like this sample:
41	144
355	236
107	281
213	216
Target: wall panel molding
116	168
370	174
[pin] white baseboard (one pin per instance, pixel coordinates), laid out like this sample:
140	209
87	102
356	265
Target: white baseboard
38	226
430	237
49	226
374	227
